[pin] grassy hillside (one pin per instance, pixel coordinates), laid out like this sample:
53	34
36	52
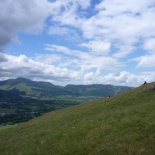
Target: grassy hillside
33	88
122	125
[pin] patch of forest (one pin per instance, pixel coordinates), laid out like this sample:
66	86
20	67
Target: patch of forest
15	107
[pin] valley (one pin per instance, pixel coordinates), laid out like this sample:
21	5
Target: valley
122	124
22	99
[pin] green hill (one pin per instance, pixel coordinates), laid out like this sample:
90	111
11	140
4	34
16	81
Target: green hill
120	125
34	88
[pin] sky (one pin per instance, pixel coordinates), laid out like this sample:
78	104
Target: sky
78	41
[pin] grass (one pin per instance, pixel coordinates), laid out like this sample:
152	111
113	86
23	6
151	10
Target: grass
121	125
8	126
21	86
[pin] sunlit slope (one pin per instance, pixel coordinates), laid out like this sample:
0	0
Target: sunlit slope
123	124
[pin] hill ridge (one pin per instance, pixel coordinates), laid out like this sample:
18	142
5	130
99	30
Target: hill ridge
40	88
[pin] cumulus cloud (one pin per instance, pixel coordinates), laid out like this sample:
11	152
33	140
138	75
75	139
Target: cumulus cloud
145	61
16	66
21	15
35	69
29	16
98	46
100	64
86	60
2	58
129	6
69	10
121	78
48	58
123	23
150	45
109	30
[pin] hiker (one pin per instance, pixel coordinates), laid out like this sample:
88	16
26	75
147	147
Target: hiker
145	82
153	87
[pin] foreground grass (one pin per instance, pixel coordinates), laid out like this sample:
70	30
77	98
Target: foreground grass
123	124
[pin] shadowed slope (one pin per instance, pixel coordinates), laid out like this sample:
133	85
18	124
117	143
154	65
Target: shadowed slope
123	124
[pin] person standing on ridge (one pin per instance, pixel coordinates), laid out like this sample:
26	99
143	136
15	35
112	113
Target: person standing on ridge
145	82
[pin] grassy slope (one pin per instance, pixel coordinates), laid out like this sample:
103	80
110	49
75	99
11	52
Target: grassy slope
8	126
123	124
20	86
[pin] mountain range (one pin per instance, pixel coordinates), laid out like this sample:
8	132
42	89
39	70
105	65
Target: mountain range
47	90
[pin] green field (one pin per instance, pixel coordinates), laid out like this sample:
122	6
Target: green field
121	125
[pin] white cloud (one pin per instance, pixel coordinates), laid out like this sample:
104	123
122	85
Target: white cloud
109	6
89	76
22	66
145	61
48	58
68	34
148	76
150	44
109	31
122	23
86	60
29	16
21	15
122	78
98	46
124	50
56	30
100	64
57	48
2	58
67	11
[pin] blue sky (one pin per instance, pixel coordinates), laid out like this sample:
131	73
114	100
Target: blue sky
78	42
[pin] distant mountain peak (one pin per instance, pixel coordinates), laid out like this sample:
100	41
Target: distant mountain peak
22	79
